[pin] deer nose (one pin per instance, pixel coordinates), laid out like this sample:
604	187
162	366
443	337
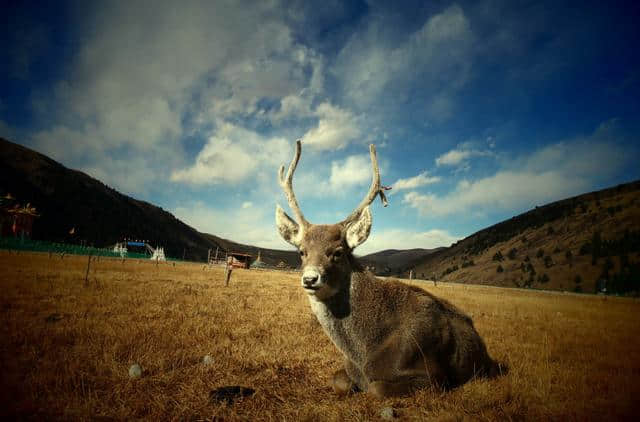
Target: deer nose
309	280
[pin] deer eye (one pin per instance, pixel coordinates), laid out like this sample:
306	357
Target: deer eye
302	253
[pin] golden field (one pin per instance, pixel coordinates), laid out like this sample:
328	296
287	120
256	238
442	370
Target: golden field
66	348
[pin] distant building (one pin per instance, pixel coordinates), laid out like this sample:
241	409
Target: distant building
16	220
239	260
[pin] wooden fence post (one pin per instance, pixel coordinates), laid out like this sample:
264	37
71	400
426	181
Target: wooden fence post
86	275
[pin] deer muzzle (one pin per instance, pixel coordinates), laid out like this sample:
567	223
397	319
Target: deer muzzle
311	279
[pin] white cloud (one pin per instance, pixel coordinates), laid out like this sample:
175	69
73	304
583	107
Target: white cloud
247	204
232	155
405	239
453	157
336	128
414	182
551	173
142	81
506	190
460	155
354	170
252	226
373	69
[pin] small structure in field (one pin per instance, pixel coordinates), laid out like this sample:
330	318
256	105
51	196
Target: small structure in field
239	260
259	263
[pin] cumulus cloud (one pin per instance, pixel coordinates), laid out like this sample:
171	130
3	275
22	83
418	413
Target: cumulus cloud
232	155
142	81
252	225
503	191
460	155
453	157
550	173
414	182
354	170
336	128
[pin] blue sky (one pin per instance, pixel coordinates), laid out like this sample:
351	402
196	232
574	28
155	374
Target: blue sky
479	110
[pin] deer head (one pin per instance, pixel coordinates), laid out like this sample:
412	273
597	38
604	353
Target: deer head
326	249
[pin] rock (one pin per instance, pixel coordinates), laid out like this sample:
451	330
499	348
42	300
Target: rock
207	360
388	413
135	371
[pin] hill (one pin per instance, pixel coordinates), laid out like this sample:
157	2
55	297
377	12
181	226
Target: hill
394	261
570	244
69	199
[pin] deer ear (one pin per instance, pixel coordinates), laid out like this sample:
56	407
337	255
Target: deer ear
289	229
358	231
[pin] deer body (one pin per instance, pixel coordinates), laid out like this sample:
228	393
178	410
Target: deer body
395	338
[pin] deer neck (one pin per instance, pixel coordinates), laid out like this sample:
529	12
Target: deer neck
338	315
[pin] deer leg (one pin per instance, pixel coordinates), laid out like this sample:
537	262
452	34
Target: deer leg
347	380
398	369
341	383
399	387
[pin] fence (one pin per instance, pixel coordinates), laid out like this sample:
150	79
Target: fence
15	243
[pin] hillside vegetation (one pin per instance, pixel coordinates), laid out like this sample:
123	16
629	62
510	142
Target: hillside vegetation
393	261
566	245
68	344
101	216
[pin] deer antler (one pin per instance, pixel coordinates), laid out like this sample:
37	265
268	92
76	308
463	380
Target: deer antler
287	185
375	189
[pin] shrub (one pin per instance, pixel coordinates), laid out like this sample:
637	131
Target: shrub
577	279
468	264
500	269
512	253
497	257
544	278
540	253
550	231
529	268
450	270
548	262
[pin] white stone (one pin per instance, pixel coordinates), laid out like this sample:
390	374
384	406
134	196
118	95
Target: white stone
207	360
135	371
388	413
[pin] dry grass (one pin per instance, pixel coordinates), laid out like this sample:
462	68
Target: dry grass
66	348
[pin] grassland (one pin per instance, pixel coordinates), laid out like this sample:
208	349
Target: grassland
66	347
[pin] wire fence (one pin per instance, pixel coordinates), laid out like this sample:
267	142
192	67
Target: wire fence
20	244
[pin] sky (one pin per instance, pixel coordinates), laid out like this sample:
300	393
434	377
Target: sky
479	110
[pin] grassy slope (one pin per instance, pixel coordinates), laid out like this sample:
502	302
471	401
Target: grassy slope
554	230
66	348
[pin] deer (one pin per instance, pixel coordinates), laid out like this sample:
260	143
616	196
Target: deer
395	338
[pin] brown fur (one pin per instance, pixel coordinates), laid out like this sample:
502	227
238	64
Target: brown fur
396	338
